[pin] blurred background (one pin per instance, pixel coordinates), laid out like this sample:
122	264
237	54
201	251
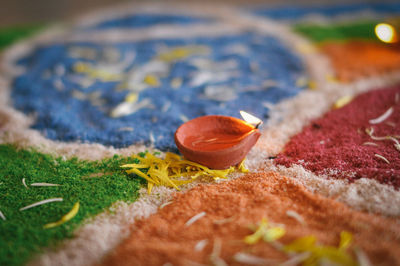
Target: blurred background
14	12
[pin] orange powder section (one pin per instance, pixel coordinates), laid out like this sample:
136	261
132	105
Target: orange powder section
360	59
231	207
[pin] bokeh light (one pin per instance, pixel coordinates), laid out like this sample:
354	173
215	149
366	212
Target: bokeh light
386	33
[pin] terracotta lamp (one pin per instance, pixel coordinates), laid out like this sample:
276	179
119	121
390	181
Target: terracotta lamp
216	141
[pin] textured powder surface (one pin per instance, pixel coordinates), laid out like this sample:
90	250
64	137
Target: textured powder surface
333	144
323	32
357	59
232	206
148	20
217	79
95	185
97	237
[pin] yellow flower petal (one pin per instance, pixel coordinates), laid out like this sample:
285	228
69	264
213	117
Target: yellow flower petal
345	239
342	101
302	244
71	214
320	253
131	97
274	233
152	80
173	171
258	234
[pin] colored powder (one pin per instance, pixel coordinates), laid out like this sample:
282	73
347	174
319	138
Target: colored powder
95	185
338	32
359	59
148	20
71	113
231	207
9	35
333	144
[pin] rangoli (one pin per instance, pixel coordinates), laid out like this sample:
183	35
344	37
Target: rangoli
85	103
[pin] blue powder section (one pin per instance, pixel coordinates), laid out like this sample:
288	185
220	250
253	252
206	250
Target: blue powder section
264	72
297	12
147	20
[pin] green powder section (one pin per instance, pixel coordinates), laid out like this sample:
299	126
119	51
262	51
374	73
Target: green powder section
363	30
10	35
96	185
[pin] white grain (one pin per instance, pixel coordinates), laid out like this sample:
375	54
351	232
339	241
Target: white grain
296	216
23	182
382	117
370	144
201	245
40	203
250	259
195	218
2	216
44	185
383	158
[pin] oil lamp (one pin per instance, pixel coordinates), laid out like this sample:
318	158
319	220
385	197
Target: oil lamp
217	141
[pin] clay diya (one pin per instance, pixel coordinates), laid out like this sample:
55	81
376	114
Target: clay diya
216	141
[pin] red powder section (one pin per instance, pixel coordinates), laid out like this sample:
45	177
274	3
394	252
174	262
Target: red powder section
338	145
357	59
231	207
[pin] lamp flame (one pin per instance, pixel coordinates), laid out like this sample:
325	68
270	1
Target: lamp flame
251	119
386	33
